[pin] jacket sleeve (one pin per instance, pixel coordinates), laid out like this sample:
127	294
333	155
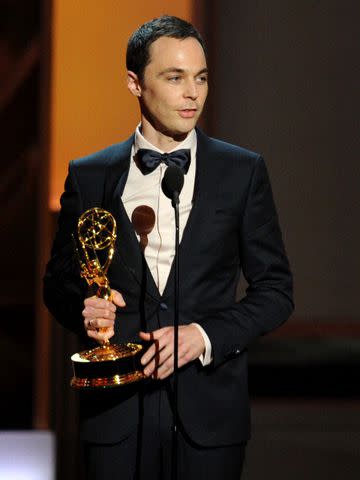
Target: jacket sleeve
268	301
64	290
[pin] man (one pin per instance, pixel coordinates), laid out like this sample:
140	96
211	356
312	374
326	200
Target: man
228	223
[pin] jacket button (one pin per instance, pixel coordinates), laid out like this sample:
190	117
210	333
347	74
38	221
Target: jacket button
163	306
235	352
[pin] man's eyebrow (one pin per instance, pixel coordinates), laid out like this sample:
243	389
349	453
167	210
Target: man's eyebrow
172	70
203	70
180	70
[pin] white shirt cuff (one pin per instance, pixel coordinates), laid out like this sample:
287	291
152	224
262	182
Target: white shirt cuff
206	357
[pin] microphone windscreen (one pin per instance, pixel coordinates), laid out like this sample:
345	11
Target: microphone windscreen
173	181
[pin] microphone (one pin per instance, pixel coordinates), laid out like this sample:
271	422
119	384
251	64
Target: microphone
172	183
143	220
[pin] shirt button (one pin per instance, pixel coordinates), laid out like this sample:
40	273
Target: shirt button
163	306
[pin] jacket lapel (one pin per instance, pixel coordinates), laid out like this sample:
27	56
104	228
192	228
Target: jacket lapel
127	245
205	182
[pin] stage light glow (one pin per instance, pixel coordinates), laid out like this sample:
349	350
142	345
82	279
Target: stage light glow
27	455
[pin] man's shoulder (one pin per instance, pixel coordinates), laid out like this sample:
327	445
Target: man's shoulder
105	157
233	149
227	150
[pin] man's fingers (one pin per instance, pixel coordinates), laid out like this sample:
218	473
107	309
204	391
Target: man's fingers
101	336
151	352
117	298
90	324
100	329
95	323
167	367
156	334
99	303
104	307
99	315
158	360
150	368
164	339
91	312
145	335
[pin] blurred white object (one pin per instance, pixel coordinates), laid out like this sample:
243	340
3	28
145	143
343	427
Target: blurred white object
27	455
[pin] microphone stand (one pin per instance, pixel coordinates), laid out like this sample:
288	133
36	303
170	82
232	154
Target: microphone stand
175	204
172	184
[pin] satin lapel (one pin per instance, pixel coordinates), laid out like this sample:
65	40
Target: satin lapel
127	245
126	242
205	180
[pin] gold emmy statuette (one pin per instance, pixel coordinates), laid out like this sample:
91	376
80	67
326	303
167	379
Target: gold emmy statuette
106	365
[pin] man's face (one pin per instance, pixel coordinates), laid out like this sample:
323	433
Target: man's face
174	88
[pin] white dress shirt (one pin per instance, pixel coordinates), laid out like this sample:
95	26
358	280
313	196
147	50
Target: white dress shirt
146	190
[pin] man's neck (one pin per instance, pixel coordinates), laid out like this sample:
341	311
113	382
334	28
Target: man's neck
163	141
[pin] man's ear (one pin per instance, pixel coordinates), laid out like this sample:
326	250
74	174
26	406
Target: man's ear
133	84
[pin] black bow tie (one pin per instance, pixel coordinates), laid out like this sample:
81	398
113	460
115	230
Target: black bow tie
148	160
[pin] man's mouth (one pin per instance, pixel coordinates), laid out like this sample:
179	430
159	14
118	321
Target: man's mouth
187	112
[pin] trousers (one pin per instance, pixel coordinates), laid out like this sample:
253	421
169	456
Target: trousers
147	452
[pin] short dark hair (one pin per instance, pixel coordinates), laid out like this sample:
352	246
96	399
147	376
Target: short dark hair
138	55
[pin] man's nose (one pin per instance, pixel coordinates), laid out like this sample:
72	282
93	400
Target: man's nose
191	90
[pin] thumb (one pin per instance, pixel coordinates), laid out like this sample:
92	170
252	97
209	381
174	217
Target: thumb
117	298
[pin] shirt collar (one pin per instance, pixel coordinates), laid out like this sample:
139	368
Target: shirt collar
141	142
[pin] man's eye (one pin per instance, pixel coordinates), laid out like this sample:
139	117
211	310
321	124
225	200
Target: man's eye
202	79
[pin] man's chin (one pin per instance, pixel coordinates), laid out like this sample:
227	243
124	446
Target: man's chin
178	129
181	131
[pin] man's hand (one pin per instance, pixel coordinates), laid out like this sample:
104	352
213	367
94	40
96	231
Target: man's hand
159	358
100	314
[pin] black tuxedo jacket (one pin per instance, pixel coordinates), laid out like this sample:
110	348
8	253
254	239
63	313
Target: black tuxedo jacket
232	226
